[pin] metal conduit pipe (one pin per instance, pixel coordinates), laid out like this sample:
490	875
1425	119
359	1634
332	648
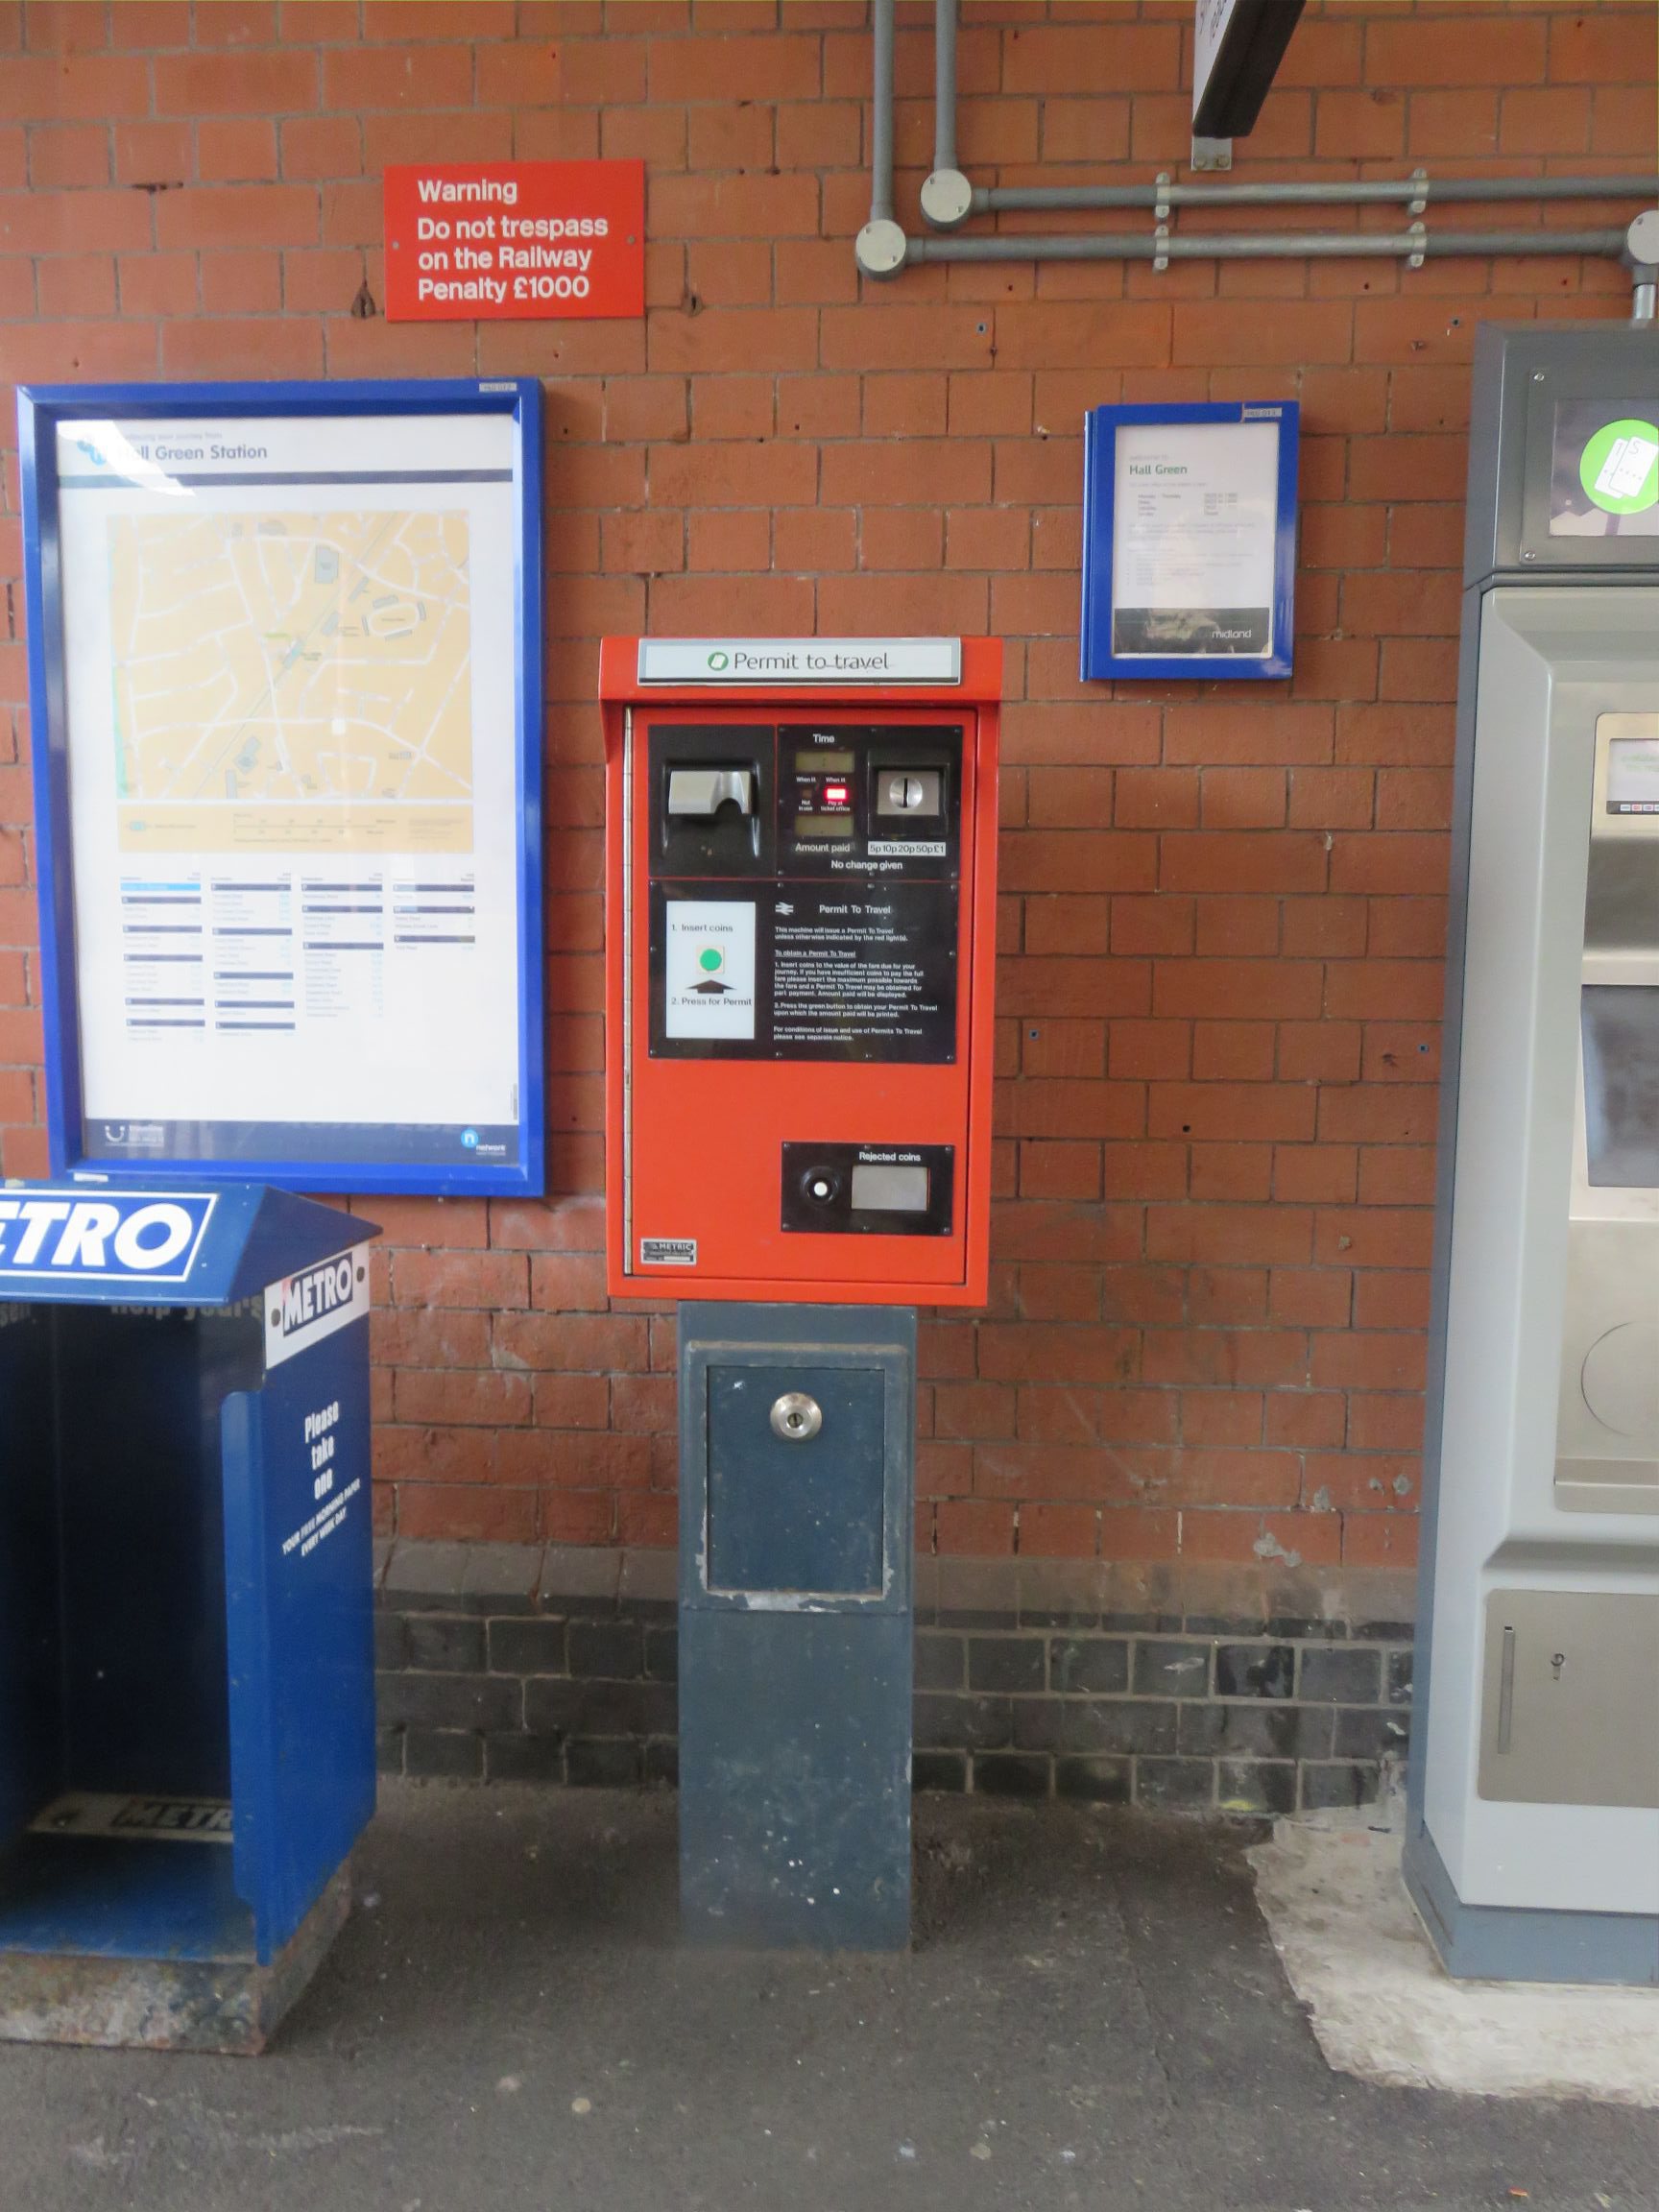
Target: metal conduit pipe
949	198
1264	245
881	113
1642	258
945	84
1363	192
946	195
880	246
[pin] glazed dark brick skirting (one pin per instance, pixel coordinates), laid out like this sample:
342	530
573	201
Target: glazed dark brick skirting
1217	1690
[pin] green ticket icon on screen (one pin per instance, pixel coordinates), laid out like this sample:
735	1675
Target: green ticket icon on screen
1620	465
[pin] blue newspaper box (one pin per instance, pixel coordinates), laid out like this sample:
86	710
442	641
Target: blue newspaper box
186	1639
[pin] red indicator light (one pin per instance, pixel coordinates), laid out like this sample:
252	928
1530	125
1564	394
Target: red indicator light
835	794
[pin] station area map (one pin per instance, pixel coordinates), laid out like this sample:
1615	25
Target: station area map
292	682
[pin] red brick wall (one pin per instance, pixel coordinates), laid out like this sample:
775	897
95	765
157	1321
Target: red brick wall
1223	916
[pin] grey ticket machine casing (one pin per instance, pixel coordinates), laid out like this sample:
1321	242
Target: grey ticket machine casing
1533	1839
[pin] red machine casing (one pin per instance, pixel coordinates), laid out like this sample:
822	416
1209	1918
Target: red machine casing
740	1166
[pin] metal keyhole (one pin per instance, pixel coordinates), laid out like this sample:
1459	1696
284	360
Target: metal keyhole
796	1417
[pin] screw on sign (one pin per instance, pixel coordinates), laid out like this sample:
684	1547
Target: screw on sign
515	241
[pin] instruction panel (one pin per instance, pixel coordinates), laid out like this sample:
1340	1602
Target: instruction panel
806	891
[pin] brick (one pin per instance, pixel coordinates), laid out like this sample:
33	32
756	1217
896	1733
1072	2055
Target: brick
1006	1663
1174	1785
68	86
273	83
1093	1666
442	1643
1460	51
68	153
1340	1675
418	78
777	66
1108	57
1101	1781
452	1701
1603	46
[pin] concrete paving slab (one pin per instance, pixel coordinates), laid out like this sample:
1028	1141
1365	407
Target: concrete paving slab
1383	2009
1093	2020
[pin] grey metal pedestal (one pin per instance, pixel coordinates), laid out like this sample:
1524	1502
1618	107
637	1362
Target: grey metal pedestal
797	1428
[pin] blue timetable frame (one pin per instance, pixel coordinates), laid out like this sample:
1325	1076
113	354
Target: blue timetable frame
1099	659
319	1156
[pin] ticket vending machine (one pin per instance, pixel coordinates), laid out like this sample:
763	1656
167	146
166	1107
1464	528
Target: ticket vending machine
1532	1846
800	925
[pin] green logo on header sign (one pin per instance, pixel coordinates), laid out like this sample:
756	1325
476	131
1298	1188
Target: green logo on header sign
1620	465
718	660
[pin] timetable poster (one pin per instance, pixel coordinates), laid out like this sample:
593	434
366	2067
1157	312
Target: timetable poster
289	665
1188	524
1193	563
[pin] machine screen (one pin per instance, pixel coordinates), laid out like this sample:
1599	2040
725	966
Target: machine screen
1622	1085
1604	469
1633	776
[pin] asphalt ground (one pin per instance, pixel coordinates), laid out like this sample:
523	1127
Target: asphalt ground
1091	2017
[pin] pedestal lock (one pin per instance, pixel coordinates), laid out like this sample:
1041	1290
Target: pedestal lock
796	1417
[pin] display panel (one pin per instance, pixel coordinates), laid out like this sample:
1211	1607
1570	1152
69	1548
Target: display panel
1621	1032
292	774
1633	776
1604	469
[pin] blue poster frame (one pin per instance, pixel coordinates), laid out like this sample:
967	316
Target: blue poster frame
40	409
1100	427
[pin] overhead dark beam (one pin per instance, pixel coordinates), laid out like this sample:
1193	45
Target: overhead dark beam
1239	45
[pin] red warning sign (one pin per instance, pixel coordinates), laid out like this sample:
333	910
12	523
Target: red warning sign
515	241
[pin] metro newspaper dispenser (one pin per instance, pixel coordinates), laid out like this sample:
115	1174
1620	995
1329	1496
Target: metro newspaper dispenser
187	1676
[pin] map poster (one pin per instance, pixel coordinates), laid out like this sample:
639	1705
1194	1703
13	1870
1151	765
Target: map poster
296	797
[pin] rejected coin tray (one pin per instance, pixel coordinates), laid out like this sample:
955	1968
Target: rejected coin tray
868	1190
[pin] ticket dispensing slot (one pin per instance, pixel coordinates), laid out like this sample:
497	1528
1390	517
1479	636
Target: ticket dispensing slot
1607	1443
710	797
697	794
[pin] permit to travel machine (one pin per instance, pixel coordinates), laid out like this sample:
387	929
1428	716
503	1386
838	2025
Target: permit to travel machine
1533	1839
799	930
799	927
